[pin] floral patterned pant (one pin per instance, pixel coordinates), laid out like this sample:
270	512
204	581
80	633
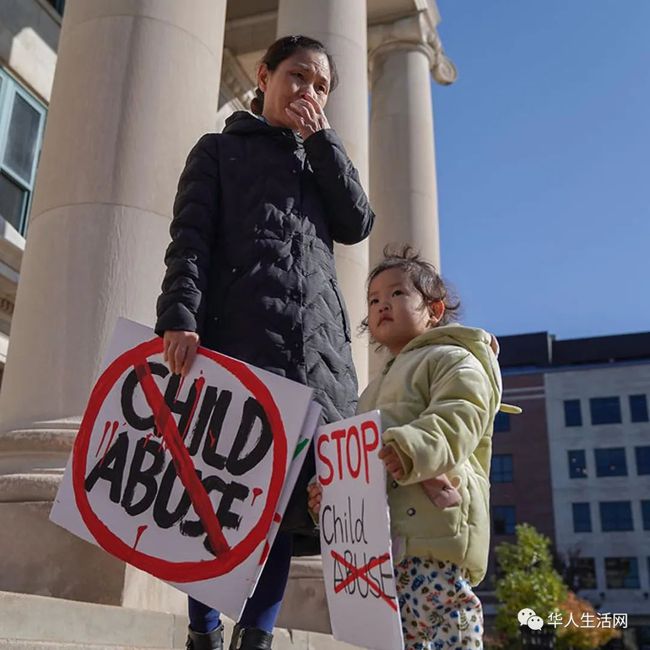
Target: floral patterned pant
438	607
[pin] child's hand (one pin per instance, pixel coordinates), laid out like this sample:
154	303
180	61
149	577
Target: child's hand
315	492
392	461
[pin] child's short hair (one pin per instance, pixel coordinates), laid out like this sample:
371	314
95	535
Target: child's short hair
423	275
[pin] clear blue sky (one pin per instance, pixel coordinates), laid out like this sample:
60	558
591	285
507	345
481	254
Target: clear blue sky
543	154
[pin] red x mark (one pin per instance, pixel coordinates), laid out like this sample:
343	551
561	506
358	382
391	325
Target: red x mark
361	573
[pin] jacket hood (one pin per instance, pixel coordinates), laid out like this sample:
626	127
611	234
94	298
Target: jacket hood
245	123
480	343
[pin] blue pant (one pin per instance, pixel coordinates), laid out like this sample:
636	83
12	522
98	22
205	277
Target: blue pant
263	607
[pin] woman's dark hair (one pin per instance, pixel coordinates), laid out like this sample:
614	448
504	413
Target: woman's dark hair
282	49
423	275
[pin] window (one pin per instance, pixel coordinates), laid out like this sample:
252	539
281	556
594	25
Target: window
605	410
501	422
622	572
610	462
643	637
494	573
577	463
616	515
59	5
581	518
572	413
642	460
21	131
583	572
638	408
501	469
645	514
503	518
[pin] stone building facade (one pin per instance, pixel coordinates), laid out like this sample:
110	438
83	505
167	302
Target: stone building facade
105	103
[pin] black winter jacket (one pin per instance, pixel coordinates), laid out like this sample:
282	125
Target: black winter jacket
251	265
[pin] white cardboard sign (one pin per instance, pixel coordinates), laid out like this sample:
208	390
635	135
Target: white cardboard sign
355	534
186	479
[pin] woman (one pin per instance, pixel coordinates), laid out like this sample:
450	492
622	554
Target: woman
250	273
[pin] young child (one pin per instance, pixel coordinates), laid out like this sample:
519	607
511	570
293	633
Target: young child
438	396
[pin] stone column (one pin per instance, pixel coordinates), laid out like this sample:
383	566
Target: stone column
403	55
402	154
341	26
136	84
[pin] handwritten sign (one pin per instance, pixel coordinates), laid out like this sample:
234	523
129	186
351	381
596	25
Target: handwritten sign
186	479
355	534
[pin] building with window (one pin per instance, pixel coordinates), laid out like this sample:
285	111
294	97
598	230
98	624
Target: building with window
591	409
599	437
520	478
29	33
520	474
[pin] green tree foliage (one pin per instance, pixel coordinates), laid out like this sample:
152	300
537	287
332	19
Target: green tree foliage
528	580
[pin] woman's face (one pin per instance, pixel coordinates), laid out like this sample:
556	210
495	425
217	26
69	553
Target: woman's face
305	72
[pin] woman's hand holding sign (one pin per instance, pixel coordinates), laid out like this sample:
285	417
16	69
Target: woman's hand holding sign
307	116
179	350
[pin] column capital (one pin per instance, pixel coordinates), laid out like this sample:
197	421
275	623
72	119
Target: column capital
235	82
415	32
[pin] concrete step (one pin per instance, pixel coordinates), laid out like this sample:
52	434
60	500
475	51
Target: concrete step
17	644
40	623
29	619
301	641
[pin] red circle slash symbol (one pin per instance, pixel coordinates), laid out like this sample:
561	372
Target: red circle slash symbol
227	557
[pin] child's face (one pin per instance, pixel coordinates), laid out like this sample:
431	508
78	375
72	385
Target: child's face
305	72
396	310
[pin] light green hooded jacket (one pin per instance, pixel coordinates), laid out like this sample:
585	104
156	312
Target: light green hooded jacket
438	399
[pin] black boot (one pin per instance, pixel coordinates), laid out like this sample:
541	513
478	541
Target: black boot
250	638
210	641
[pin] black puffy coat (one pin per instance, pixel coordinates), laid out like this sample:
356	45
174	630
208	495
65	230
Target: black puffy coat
251	265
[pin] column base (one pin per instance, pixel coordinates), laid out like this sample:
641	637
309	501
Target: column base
304	606
36	623
38	557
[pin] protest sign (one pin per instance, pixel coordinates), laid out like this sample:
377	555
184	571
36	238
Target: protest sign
186	479
355	534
